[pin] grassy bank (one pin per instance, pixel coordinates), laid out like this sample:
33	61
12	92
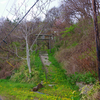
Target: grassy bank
22	91
20	85
56	77
59	86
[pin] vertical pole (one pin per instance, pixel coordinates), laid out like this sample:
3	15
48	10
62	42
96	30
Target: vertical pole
36	46
50	43
96	36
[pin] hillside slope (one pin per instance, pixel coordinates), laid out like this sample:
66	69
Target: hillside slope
77	51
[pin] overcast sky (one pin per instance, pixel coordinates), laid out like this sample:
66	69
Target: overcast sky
7	7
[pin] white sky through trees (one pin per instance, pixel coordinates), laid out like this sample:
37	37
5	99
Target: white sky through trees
7	7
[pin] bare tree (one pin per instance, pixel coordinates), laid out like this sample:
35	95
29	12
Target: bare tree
25	30
78	8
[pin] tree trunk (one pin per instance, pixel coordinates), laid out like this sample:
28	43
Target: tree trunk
96	36
28	55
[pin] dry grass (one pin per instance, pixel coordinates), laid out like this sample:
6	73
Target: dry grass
80	57
7	69
93	94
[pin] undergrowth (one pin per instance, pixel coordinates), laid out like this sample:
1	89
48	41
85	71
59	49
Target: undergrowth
37	74
57	77
93	94
60	90
86	78
63	87
22	91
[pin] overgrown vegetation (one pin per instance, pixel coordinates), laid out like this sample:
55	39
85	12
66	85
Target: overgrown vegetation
61	88
22	75
86	78
77	51
68	31
22	91
73	58
93	94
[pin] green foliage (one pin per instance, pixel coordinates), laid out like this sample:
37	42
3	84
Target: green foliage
15	84
16	43
53	50
79	77
56	75
72	78
37	75
37	64
92	94
68	31
22	91
34	46
61	89
72	45
87	78
22	75
58	45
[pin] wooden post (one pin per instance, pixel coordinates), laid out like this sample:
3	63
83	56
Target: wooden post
96	36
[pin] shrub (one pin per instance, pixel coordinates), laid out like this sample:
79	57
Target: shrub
37	73
93	94
68	31
86	78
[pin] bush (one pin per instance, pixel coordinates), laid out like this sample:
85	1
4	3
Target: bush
68	31
87	78
93	94
37	74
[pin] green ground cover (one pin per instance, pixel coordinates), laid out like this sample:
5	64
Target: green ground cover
63	87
